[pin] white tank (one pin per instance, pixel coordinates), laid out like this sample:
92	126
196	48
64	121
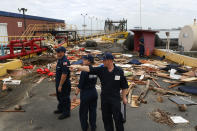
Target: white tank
188	37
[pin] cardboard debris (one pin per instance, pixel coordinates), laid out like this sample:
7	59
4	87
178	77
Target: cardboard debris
12	82
9	81
127	55
178	119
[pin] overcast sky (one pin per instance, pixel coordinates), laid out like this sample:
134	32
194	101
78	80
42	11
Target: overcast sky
155	13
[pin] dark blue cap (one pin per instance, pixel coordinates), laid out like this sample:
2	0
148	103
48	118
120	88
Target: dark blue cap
89	57
141	40
108	56
61	49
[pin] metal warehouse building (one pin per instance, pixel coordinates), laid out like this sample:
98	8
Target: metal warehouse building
12	24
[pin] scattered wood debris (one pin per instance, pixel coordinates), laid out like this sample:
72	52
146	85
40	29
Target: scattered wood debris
165	91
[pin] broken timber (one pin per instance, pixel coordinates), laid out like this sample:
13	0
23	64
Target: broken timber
165	91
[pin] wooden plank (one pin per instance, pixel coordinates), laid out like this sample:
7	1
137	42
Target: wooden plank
156	83
164	75
144	93
174	85
165	91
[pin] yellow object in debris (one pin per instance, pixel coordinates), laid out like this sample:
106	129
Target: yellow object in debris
3	71
115	36
180	59
129	83
12	64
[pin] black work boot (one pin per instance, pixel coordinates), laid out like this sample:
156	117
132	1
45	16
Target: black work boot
57	112
63	116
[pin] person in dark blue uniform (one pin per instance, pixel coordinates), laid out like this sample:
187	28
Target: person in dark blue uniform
63	84
88	96
112	81
141	50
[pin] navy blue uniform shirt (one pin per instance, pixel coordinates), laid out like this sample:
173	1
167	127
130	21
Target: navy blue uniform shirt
62	68
111	82
87	85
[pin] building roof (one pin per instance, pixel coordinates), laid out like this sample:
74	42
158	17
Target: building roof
16	15
142	30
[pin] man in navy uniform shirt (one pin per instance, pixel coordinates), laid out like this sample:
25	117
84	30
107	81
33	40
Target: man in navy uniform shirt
63	84
141	48
88	96
112	81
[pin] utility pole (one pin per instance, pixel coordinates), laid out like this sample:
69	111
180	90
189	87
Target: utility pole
23	10
141	14
84	25
91	17
97	24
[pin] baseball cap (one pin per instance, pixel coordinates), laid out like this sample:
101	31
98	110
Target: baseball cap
89	57
108	56
61	49
141	40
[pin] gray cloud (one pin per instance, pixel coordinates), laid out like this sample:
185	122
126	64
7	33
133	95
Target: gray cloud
155	13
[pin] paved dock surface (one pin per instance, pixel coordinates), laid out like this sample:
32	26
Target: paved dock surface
40	106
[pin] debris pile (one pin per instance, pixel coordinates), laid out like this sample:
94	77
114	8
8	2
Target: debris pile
160	77
162	117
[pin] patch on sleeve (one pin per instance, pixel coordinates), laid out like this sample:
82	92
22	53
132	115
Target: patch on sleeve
65	63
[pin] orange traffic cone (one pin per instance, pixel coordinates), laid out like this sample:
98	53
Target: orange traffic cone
147	52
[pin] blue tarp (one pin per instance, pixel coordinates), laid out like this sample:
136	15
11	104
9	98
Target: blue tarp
77	62
188	89
135	61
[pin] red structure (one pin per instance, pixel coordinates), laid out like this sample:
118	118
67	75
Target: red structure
149	40
31	45
15	22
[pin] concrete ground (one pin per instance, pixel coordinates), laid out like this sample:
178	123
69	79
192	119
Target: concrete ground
40	106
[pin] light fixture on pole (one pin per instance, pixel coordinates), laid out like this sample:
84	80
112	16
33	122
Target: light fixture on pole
96	23
91	17
23	10
84	25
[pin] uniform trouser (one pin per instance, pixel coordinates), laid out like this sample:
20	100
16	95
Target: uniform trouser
85	108
141	51
111	110
63	98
